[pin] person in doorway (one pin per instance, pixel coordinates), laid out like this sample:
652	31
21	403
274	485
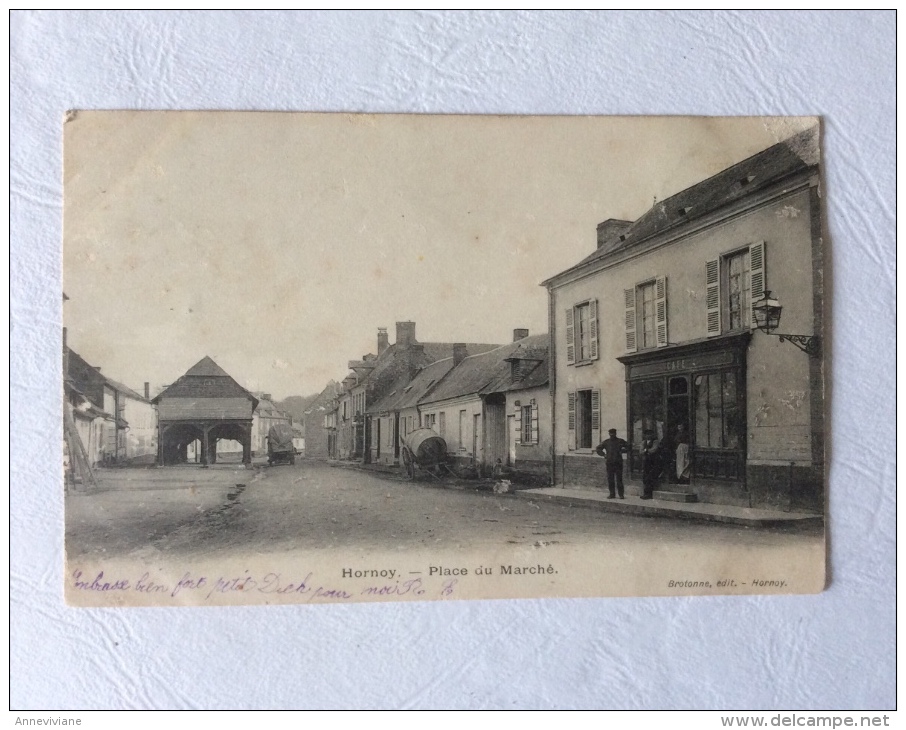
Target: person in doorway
683	455
612	449
651	463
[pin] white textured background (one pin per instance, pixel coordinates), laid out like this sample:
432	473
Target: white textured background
834	650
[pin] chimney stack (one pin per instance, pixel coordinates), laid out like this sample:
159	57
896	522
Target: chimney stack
265	396
147	390
383	342
609	229
519	334
459	353
405	333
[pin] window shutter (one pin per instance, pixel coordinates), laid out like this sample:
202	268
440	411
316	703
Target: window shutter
629	304
595	417
517	423
593	328
712	296
534	423
660	310
570	337
571	420
757	275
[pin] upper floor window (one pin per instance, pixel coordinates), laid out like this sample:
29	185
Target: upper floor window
733	282
582	332
644	308
738	290
646	314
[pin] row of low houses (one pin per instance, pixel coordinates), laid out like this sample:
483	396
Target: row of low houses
487	401
660	328
113	423
203	414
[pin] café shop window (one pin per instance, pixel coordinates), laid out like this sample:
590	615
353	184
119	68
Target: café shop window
702	409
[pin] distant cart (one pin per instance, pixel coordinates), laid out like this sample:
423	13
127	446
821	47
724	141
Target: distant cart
280	449
423	450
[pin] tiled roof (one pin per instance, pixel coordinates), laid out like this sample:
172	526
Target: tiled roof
206	367
780	161
206	379
384	376
489	372
125	389
331	390
405	393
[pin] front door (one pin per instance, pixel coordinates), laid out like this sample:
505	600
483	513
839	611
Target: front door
476	438
677	436
511	440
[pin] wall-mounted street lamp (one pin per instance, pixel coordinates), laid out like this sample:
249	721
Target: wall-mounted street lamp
767	318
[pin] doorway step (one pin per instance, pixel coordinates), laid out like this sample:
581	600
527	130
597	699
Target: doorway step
676	496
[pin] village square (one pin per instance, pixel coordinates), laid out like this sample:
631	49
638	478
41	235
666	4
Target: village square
677	395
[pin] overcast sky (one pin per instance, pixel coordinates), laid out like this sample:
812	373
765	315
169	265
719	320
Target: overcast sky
278	243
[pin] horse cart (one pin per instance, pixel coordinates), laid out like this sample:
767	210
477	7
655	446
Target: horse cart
424	451
280	448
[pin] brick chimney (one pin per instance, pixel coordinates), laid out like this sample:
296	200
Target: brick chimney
459	353
610	229
405	333
519	334
265	396
147	390
383	341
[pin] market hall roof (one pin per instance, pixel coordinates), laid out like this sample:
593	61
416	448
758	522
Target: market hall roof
790	157
206	391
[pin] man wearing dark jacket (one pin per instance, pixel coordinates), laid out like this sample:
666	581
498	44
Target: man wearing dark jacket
612	450
651	463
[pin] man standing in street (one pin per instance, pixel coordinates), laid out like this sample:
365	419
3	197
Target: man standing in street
612	450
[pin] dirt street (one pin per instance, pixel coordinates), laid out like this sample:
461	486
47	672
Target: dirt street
226	509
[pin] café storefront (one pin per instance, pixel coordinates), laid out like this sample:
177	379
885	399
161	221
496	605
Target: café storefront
693	396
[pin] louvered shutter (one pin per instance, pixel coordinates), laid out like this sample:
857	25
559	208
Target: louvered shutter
595	417
712	296
570	337
660	310
571	420
757	276
534	422
593	328
629	304
517	422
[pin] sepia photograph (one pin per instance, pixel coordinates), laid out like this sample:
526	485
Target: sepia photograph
333	358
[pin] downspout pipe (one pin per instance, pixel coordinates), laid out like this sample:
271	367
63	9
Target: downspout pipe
552	381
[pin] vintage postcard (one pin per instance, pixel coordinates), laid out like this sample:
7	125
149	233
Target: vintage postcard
320	358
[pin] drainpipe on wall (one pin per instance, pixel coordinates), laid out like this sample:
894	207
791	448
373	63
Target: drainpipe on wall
552	383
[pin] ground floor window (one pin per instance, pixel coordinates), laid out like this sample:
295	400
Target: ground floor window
526	424
584	418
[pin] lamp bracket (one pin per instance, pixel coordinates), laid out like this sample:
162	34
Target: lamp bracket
809	344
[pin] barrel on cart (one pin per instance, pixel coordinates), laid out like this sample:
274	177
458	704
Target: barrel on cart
423	450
